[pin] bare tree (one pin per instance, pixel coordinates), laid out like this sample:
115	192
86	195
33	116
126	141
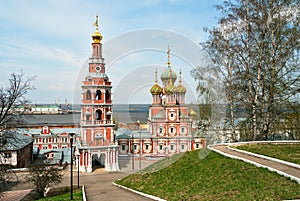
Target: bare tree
256	47
43	176
13	95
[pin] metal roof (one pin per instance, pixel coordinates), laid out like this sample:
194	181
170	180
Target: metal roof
48	119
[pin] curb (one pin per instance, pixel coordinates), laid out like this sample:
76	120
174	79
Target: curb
139	193
256	164
83	194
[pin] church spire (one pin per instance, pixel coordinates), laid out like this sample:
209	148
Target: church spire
180	81
168	52
155	76
97	37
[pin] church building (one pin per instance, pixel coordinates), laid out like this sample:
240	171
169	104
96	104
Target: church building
169	127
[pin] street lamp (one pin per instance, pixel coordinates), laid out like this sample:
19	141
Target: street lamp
71	177
138	122
78	157
132	151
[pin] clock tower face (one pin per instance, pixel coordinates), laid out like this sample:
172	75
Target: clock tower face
98	69
172	115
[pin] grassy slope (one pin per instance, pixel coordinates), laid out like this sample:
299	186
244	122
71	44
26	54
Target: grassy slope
286	152
213	178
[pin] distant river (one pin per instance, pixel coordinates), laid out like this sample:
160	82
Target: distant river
131	112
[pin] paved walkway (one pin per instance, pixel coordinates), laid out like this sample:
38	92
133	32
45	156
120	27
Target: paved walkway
98	184
275	165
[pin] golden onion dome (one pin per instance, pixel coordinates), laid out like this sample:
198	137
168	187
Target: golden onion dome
97	37
192	112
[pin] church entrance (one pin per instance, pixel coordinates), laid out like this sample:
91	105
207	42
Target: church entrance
98	161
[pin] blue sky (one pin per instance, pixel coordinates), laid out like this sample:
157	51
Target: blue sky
52	39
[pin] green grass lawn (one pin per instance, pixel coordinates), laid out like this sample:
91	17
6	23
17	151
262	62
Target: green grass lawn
77	196
286	152
213	178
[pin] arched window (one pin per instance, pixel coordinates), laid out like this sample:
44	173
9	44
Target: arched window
88	95
98	115
107	95
98	95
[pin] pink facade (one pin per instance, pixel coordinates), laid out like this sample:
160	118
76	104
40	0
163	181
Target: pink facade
169	124
97	147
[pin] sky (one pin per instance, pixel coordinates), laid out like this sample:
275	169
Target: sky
51	40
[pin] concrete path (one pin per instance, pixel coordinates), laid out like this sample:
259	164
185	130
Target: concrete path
99	187
293	171
98	184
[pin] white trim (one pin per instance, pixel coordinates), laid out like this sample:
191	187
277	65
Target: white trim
265	157
254	163
139	193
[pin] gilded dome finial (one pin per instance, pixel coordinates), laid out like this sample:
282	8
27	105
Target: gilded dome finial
180	76
96	22
168	52
97	37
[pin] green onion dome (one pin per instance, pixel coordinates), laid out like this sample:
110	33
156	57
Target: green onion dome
180	89
156	89
170	89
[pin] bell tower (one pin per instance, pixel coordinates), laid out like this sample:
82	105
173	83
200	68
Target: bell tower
97	127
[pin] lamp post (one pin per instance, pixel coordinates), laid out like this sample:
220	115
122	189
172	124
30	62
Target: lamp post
140	163
71	177
132	151
78	157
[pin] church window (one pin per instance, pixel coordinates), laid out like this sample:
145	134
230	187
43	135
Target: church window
160	130
98	115
88	95
98	95
147	146
107	95
135	147
197	145
172	147
160	147
123	147
182	146
183	130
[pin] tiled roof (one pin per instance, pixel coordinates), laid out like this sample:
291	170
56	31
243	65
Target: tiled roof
11	141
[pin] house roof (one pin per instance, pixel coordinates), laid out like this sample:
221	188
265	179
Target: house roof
161	114
48	119
13	141
53	131
126	134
